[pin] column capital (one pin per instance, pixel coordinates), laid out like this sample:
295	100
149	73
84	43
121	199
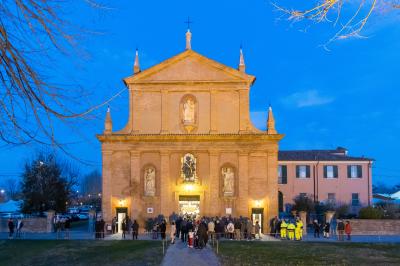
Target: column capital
134	153
165	153
107	152
213	153
243	153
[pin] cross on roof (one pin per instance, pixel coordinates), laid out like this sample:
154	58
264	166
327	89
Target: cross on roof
188	22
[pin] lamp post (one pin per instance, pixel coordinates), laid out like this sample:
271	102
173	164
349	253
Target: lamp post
2	195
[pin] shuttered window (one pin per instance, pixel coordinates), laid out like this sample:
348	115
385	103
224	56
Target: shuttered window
354	171
282	174
331	171
303	171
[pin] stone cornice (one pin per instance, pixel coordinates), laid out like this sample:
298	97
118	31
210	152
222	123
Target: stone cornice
189	137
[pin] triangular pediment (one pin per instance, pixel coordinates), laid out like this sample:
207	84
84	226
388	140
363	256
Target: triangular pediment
189	66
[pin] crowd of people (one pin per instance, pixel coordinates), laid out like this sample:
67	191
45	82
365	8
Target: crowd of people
197	231
128	227
291	229
332	228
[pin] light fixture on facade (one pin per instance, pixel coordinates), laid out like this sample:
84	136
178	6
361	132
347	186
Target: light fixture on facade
258	203
121	202
189	187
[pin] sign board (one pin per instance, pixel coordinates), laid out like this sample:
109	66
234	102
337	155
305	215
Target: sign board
228	210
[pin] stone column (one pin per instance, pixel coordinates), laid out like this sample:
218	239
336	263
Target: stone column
49	221
107	186
214	185
136	203
242	179
213	112
303	218
165	193
164	111
243	110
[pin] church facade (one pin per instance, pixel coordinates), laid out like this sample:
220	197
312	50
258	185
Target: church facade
189	145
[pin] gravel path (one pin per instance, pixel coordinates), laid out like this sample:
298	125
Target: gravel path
179	254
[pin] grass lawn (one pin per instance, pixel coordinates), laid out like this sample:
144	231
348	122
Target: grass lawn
305	253
78	252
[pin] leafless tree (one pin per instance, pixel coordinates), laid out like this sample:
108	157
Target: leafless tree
332	11
30	32
11	188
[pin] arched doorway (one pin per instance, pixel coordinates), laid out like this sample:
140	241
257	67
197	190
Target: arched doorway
280	201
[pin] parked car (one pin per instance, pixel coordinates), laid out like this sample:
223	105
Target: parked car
13	215
83	216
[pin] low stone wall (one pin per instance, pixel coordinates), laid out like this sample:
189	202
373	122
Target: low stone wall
375	227
32	224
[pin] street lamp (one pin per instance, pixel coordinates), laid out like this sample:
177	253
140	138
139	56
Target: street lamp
2	191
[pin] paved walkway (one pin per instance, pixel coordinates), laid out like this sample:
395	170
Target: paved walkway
179	254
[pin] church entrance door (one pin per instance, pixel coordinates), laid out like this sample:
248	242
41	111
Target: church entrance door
189	204
257	214
121	215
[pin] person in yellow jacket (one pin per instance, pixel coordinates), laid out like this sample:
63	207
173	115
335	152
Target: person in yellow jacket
299	229
283	229
290	228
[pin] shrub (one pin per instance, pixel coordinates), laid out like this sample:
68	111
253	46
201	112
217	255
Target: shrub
342	211
370	213
303	203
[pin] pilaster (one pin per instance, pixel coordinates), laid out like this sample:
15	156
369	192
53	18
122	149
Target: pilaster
106	185
164	112
213	112
243	184
272	185
136	204
214	184
243	110
165	191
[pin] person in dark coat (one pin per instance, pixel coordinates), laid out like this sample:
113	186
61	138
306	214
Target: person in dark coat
202	235
10	228
178	226
327	229
183	230
163	228
123	228
316	228
67	227
135	230
102	226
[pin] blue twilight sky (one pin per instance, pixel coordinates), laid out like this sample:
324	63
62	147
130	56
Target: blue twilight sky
348	96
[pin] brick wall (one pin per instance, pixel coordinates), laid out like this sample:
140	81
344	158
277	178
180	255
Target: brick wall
34	224
375	227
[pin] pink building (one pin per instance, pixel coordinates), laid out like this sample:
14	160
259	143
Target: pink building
325	176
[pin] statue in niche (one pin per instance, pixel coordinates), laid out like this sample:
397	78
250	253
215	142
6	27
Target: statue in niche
188	170
229	181
150	181
188	111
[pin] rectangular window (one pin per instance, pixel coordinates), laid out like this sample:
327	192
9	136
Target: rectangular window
302	171
355	201
331	197
354	171
282	174
330	171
